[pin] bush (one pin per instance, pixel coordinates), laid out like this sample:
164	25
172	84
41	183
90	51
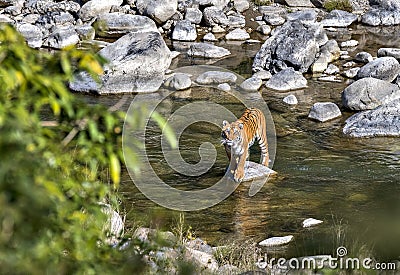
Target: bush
52	175
345	5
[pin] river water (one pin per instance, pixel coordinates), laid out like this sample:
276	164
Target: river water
353	185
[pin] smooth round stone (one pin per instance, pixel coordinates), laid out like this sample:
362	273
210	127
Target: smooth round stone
224	87
311	222
237	34
290	99
349	44
276	241
210	37
324	111
179	81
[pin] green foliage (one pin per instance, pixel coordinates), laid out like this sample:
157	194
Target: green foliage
52	176
345	5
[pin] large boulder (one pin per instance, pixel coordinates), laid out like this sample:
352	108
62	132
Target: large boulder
384	68
293	45
93	8
159	10
286	80
382	121
369	93
118	24
385	12
137	63
214	16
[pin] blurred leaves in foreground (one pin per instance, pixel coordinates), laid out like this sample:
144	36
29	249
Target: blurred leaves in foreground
52	177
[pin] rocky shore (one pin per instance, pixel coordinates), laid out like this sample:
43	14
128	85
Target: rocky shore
296	44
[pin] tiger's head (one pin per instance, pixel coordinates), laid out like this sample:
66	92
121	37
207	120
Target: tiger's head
232	133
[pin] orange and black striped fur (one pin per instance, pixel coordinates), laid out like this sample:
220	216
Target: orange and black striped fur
238	136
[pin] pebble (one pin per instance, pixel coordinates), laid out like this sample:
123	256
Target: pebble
276	241
311	222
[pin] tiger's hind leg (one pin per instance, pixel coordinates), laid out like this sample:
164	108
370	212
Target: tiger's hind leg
263	143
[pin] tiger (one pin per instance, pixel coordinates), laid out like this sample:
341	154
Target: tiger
238	136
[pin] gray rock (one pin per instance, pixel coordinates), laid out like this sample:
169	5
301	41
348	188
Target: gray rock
363	57
236	21
393	52
228	269
62	37
138	62
339	18
329	78
56	19
369	93
382	121
85	32
264	29
204	260
321	64
216	77
118	24
207	50
290	99
349	43
179	81
237	34
274	19
332	69
251	84
386	14
263	75
158	10
324	111
305	17
286	80
200	245
194	15
43	7
221	4
299	3
32	34
184	31
294	44
214	16
6	19
385	68
351	73
209	37
241	5
93	8
114	227
276	241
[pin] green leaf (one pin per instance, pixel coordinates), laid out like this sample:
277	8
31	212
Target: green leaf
115	170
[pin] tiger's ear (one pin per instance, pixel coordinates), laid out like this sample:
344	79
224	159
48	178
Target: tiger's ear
240	126
224	123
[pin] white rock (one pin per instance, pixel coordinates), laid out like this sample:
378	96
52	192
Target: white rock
209	37
290	99
264	29
263	75
311	222
351	73
251	84
237	34
224	87
276	241
216	77
349	43
332	69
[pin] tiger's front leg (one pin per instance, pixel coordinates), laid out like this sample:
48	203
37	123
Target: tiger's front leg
240	169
